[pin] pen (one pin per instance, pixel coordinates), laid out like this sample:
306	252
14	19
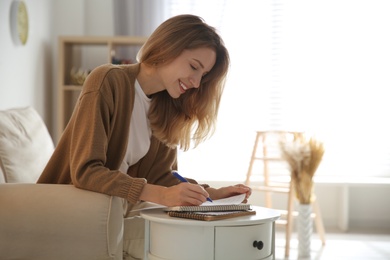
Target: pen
180	178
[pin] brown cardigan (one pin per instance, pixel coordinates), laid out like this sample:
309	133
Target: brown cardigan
94	142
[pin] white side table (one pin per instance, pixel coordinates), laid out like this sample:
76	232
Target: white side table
247	237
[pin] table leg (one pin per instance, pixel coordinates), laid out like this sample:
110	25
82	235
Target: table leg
147	239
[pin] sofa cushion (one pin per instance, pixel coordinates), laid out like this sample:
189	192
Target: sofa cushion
25	145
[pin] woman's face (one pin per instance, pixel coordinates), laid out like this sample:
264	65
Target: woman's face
186	71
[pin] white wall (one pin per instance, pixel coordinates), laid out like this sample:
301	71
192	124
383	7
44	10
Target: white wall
28	74
26	71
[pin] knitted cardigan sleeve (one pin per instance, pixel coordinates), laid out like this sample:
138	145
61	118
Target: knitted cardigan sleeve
93	144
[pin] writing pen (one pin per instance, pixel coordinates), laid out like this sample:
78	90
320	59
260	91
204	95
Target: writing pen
182	179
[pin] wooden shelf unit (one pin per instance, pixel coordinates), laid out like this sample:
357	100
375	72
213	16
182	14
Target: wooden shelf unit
86	53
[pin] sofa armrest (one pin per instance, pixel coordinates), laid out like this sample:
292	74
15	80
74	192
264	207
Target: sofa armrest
51	221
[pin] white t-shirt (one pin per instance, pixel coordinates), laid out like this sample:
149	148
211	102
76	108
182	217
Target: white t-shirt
140	132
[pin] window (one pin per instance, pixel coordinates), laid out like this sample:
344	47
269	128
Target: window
317	66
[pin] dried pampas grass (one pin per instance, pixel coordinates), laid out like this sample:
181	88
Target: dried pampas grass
304	156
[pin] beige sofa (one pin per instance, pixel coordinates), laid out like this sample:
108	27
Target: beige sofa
48	221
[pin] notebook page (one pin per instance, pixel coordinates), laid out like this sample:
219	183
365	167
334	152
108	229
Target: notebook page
237	199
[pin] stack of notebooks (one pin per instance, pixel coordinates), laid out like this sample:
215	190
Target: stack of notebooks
218	209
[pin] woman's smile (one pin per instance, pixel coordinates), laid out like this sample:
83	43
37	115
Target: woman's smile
183	87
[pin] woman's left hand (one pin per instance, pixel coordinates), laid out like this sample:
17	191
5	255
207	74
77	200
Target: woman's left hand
229	191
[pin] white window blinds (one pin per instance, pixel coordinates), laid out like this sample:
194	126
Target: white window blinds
316	66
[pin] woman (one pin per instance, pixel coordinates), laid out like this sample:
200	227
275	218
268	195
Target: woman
121	139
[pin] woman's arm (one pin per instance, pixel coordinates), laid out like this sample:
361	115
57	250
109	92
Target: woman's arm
183	194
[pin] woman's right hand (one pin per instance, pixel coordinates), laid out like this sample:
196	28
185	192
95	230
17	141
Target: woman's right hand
183	194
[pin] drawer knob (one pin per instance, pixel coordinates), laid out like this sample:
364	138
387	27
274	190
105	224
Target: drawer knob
258	244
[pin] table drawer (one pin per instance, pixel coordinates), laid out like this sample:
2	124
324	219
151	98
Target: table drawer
237	242
177	242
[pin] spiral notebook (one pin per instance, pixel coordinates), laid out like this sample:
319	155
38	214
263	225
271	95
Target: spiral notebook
228	204
210	216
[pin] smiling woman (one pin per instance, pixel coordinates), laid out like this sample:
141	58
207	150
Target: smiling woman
197	107
129	119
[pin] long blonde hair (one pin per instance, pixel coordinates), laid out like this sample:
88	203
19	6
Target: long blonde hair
193	115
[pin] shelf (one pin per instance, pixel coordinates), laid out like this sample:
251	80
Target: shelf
72	87
103	40
86	53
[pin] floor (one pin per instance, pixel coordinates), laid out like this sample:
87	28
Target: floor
356	245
